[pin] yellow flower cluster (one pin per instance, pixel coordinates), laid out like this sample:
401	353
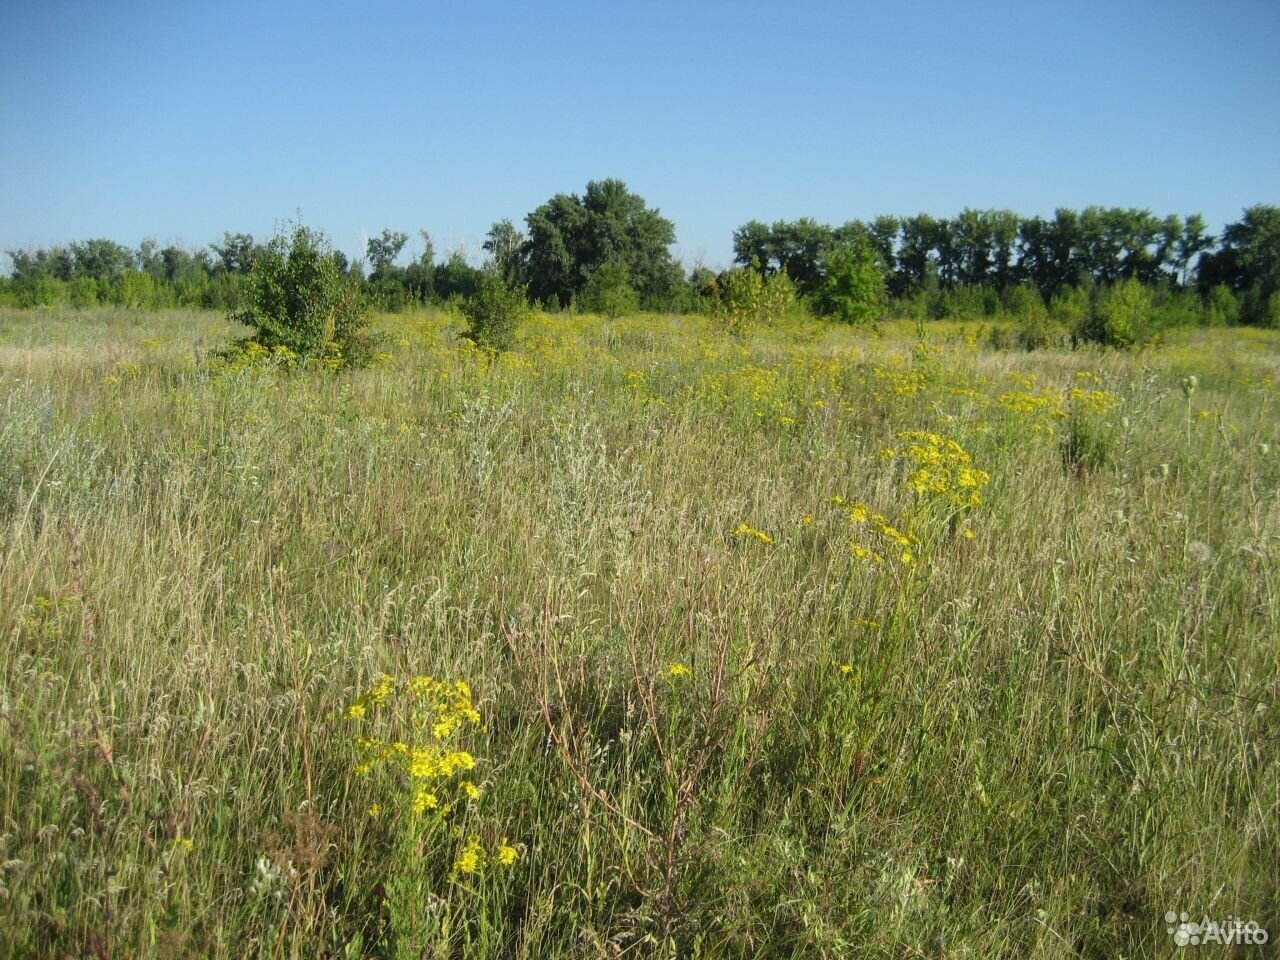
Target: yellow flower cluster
676	671
1095	401
474	858
943	470
435	712
888	537
751	533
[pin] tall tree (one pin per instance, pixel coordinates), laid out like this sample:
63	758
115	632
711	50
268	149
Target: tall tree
570	237
101	259
382	250
753	244
235	253
503	243
918	249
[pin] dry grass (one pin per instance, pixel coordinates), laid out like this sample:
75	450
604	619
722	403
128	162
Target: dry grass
1030	742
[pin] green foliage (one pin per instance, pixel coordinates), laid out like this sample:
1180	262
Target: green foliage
852	288
299	299
1121	317
494	312
1172	307
742	299
503	243
134	289
1033	328
1248	261
236	253
571	237
40	290
1271	315
609	291
1221	309
711	727
455	278
1088	442
383	250
101	259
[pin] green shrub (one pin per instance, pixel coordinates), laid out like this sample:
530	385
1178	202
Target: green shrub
1171	308
1033	328
297	297
1271	315
494	312
1118	317
41	290
133	289
609	291
83	292
742	299
1221	308
1071	306
852	287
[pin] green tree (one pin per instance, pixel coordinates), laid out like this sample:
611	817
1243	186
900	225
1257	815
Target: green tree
570	237
382	251
1194	241
235	253
1248	262
1221	309
297	297
753	245
101	259
503	243
455	277
917	250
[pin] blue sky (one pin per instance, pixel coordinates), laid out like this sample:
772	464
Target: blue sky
181	120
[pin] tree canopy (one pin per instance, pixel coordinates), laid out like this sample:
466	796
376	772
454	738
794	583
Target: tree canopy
570	237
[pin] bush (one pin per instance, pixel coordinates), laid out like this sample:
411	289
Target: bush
1221	309
1120	317
742	298
1033	329
297	297
83	292
133	289
852	287
494	313
41	290
609	290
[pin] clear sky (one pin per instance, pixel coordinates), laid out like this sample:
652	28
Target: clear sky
183	120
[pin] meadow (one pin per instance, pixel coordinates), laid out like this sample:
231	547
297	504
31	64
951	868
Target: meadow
643	639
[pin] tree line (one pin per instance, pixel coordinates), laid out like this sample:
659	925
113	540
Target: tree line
606	250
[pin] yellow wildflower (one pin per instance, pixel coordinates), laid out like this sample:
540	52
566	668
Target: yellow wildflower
471	858
505	854
743	530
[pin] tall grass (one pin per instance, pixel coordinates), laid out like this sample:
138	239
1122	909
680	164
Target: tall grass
1056	723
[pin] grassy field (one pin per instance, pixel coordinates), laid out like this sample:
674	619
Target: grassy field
821	642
